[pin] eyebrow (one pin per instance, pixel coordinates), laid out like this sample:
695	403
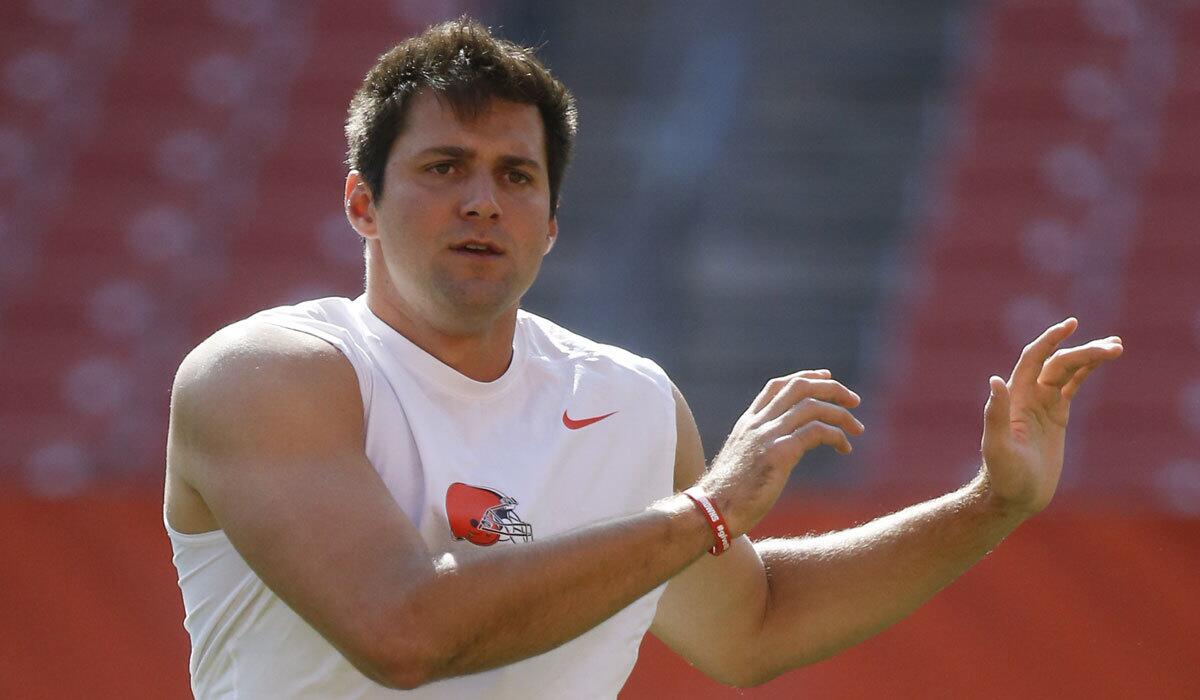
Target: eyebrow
467	153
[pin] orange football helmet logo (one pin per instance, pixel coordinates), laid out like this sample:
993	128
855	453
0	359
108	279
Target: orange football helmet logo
484	516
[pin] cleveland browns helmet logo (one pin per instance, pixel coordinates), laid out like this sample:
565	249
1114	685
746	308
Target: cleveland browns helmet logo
484	516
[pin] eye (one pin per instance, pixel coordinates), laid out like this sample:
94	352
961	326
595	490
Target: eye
441	168
517	177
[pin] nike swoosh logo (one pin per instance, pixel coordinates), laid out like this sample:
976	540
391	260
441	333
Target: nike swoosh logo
573	424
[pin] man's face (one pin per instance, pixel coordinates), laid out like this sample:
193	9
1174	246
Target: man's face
464	219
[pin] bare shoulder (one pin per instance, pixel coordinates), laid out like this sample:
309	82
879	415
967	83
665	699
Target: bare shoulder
266	444
250	363
689	450
250	356
252	395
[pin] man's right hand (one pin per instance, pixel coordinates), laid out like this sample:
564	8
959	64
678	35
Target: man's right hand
790	416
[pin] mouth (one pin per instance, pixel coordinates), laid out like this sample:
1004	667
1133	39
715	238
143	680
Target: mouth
478	248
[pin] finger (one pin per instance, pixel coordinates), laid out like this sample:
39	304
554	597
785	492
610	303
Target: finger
816	433
1065	363
800	388
777	384
1072	387
1034	355
995	412
810	409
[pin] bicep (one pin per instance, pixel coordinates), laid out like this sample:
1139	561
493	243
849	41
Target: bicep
273	444
712	611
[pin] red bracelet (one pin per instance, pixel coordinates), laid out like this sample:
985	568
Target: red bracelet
713	517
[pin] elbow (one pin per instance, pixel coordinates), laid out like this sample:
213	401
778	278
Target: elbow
400	656
751	670
747	682
398	669
745	678
760	671
406	675
411	662
406	647
743	672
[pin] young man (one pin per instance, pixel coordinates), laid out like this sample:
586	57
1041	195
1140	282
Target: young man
426	488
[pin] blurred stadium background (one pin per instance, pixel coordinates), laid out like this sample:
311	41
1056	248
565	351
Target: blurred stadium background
902	192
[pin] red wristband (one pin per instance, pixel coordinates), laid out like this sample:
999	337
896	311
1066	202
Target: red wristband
713	517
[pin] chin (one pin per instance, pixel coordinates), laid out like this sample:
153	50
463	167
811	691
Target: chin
481	295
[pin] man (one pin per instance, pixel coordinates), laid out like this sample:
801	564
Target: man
429	489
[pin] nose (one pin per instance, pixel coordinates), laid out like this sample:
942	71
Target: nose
480	201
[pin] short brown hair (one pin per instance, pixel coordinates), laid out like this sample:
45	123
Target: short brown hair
463	62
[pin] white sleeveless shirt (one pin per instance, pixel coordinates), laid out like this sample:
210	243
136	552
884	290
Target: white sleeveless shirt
574	432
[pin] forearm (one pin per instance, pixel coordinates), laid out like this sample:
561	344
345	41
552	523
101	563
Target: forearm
832	591
567	585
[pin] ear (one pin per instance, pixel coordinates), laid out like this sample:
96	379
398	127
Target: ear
360	205
551	234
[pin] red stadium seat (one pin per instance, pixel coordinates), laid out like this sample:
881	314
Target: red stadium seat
1044	179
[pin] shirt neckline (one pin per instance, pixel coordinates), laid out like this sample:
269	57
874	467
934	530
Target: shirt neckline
433	370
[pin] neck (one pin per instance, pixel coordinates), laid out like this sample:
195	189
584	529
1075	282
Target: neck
482	355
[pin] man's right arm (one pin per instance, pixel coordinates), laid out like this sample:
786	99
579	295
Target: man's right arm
267	427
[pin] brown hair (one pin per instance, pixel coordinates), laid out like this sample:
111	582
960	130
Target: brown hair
461	61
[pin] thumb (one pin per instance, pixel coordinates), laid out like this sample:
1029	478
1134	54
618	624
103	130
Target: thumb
995	413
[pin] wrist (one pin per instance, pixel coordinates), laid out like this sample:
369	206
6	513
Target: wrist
993	505
685	523
722	537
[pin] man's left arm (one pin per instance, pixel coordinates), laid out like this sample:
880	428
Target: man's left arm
767	607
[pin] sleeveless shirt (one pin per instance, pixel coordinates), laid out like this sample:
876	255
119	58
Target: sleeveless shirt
573	433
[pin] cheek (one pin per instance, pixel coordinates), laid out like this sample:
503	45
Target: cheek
406	221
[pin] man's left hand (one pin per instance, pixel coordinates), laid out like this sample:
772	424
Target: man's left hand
1025	420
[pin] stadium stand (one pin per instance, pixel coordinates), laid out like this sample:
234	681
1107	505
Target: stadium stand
1063	193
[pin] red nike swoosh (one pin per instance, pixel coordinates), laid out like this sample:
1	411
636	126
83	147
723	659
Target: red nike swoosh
573	424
